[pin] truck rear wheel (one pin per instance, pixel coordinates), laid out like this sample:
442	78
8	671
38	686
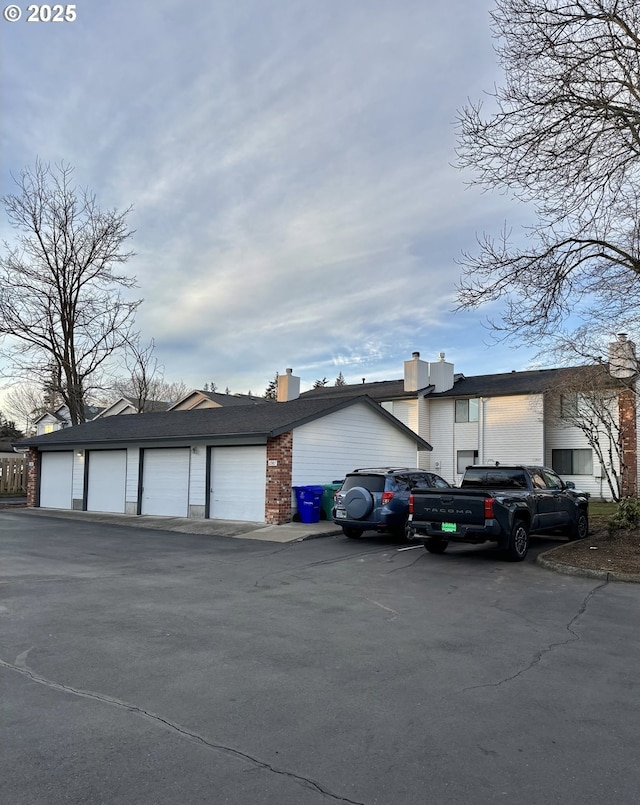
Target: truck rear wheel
352	533
436	544
518	544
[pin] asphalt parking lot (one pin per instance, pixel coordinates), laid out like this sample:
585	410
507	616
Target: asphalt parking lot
143	666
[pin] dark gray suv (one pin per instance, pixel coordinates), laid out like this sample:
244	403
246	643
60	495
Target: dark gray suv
377	498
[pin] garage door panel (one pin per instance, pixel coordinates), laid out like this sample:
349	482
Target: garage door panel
107	478
165	482
56	480
238	481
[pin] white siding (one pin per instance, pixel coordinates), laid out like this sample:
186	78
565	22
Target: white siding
465	437
47	424
441	423
509	430
513	430
325	450
562	436
198	476
133	473
78	475
423	429
407	412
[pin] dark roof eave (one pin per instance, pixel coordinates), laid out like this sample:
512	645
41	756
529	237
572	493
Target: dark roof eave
209	437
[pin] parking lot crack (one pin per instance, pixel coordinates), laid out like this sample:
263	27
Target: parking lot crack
406	566
317	563
20	667
536	659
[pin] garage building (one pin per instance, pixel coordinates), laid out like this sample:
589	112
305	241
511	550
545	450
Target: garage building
235	463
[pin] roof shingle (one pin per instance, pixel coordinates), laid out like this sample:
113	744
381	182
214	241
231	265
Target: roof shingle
214	424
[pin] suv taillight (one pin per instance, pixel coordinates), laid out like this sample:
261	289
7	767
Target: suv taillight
386	498
488	508
410	504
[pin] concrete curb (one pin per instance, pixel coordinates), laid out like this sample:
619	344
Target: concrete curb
287	532
548	563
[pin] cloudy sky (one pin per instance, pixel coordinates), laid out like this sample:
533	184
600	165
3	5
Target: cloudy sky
289	167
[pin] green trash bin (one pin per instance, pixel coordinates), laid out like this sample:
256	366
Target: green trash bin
326	504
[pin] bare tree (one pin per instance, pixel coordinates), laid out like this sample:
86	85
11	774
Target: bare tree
589	401
62	311
171	391
145	383
26	402
143	374
563	135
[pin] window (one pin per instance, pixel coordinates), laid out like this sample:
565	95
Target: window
467	410
464	458
374	483
485	478
553	482
48	429
538	480
572	462
568	406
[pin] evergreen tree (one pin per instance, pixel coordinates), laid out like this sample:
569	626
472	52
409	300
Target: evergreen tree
8	429
271	391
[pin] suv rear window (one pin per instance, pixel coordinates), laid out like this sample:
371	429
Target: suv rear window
373	483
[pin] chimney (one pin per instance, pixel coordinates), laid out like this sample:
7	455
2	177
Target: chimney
288	387
416	373
622	357
441	374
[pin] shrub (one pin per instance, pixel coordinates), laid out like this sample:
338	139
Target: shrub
626	517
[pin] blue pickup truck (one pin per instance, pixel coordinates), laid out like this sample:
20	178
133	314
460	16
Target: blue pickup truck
503	504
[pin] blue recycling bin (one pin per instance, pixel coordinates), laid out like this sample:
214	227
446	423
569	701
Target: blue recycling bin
308	500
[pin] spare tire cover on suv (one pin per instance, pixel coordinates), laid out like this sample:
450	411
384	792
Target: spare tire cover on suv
358	503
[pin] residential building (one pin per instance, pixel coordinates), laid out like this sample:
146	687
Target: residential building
59	418
199	398
514	417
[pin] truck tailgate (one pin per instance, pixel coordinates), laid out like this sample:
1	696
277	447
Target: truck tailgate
456	506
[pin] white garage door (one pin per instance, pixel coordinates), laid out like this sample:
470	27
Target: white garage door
238	479
56	480
107	480
165	482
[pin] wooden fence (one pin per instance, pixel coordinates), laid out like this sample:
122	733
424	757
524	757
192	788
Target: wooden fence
13	476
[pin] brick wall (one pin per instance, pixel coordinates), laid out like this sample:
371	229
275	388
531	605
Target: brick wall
33	473
279	474
629	437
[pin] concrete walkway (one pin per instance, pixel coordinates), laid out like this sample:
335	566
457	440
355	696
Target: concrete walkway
288	532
